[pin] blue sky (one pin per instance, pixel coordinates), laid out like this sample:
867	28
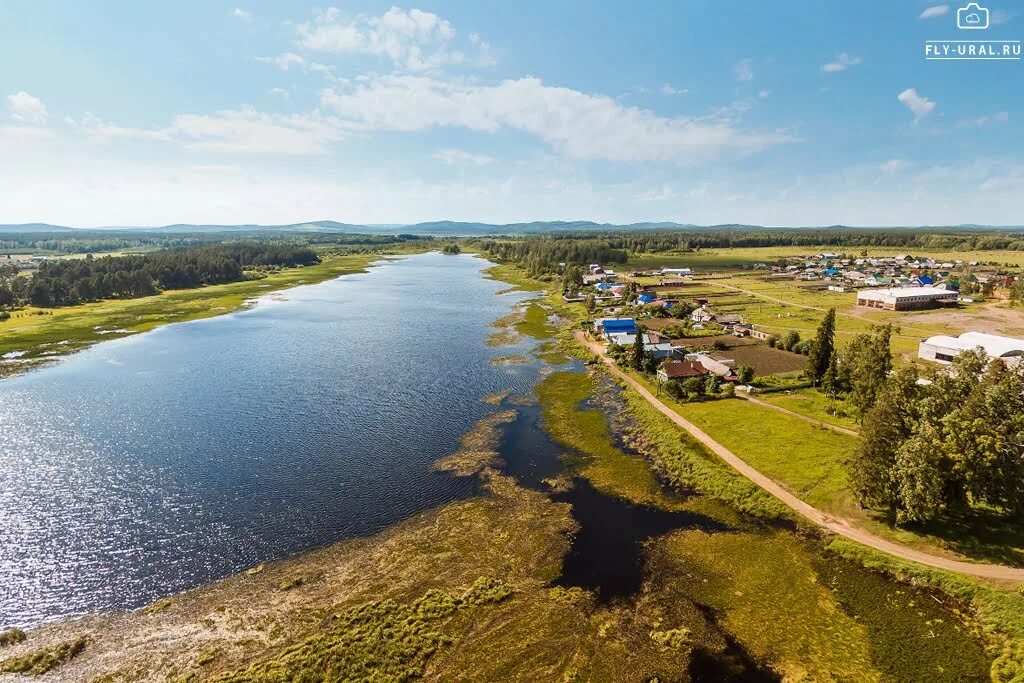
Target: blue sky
134	113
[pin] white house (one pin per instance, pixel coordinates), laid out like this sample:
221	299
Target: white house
943	348
677	271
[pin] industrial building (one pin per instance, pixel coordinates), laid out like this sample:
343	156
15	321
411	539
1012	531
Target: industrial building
905	298
943	348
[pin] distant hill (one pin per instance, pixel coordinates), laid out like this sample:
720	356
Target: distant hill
458	228
20	228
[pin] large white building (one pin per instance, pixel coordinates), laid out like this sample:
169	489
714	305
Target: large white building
943	348
904	298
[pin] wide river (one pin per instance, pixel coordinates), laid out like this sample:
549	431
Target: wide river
155	463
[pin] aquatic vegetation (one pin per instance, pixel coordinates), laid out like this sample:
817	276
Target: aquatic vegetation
44	659
604	464
478	446
11	636
535	323
517	359
380	640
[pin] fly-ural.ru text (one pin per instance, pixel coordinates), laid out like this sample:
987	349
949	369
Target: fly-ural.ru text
1008	50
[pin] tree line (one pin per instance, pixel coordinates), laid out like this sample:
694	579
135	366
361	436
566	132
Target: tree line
544	254
72	281
928	448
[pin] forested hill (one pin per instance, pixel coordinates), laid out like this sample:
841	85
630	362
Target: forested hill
73	281
469	228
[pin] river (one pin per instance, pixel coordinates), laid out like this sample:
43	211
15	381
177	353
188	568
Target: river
159	462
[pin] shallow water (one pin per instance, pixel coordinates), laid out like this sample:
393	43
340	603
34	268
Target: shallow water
155	463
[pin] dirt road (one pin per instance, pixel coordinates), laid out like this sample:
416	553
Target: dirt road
834	524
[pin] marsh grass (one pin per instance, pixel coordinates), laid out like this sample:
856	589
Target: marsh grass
44	659
379	640
478	448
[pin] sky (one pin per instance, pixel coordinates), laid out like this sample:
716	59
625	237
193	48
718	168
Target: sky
252	111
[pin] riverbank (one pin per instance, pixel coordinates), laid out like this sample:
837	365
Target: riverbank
33	337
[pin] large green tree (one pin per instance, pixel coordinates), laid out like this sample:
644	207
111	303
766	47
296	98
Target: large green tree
823	347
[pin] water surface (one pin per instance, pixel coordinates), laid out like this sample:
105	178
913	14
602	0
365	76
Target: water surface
155	463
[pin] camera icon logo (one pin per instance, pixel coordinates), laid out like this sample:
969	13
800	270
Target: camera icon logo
972	17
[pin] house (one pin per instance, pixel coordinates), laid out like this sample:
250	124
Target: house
836	288
646	298
943	349
701	315
607	326
680	370
654	343
905	298
720	367
677	271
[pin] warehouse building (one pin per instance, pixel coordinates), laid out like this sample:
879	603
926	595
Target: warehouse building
943	348
905	298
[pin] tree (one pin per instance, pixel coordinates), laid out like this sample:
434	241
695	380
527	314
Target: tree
789	340
694	387
866	364
889	423
745	373
823	348
452	248
830	382
639	353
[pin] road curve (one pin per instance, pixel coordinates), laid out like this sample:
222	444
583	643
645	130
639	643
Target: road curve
832	523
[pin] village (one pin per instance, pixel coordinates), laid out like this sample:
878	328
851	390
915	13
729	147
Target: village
694	332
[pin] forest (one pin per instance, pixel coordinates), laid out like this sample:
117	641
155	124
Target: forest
99	241
542	254
72	281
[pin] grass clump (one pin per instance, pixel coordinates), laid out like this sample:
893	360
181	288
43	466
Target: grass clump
673	639
44	659
158	606
11	636
382	640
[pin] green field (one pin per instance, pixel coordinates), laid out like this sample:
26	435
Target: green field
813	403
806	458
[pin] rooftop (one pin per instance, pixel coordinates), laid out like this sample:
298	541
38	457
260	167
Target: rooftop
996	346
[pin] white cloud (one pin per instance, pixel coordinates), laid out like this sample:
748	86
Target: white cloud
461	157
764	94
934	12
744	71
893	165
841	63
284	61
410	39
998	117
26	108
241	14
669	89
280	92
920	105
578	125
243	131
